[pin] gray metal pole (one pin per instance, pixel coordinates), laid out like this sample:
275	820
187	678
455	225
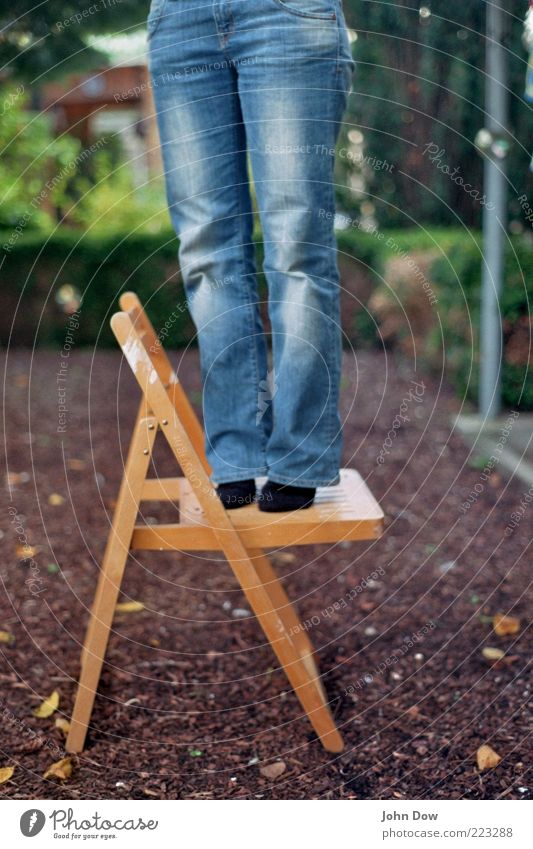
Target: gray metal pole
494	214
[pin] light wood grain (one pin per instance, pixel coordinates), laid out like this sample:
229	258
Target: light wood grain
345	512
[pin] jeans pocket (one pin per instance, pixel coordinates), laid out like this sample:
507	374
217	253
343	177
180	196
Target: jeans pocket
157	7
321	10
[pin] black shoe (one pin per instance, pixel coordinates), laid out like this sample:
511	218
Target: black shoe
279	497
236	494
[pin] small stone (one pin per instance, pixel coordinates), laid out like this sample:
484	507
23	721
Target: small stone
371	631
226	605
240	613
419	657
274	770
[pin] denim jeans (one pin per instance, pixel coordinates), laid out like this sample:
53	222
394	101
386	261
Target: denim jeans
264	83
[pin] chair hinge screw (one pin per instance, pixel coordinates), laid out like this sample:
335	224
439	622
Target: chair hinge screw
151	427
146	451
164	421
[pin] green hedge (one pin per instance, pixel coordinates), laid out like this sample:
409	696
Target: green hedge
457	277
37	267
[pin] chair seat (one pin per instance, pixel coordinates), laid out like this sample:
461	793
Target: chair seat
347	511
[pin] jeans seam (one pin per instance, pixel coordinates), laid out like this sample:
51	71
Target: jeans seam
298	481
331	16
259	471
151	28
262	437
338	63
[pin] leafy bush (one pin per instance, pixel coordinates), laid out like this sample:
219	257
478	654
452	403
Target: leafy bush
457	277
100	267
443	330
35	167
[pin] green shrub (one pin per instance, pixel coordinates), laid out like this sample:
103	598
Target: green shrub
101	267
458	279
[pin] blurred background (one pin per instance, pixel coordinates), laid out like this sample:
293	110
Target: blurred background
434	226
82	211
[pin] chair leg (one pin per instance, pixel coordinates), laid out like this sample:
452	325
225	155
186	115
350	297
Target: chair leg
299	669
110	579
285	609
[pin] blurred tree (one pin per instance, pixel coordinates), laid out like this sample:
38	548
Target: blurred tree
35	167
418	104
49	38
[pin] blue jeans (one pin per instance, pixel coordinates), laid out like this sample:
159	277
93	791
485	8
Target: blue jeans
268	81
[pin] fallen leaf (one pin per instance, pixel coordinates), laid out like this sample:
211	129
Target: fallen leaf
492	654
129	606
273	770
75	464
61	769
5	773
63	725
6	637
282	557
24	552
52	568
47	707
504	625
14	478
55	499
195	753
487	758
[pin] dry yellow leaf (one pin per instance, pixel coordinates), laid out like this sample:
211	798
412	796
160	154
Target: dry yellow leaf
75	464
55	499
5	773
129	607
504	625
273	770
63	724
61	769
283	557
492	654
6	637
26	551
47	707
487	758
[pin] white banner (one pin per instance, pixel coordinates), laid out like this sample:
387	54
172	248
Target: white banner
256	825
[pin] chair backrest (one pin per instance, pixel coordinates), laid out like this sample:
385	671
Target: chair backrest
169	404
153	346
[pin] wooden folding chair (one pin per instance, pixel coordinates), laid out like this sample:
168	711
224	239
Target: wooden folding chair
344	512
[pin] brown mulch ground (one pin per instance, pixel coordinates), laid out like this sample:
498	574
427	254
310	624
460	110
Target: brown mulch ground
191	704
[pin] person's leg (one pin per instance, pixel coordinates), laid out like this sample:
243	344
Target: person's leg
293	93
204	152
